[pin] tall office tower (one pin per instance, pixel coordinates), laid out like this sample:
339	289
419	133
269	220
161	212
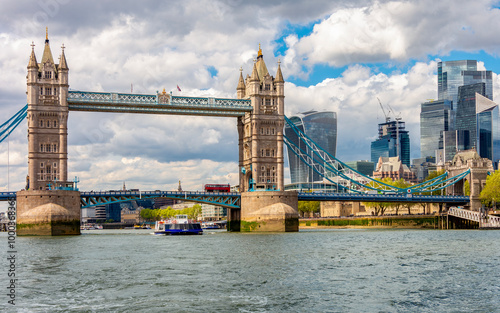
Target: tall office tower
453	74
388	145
320	127
453	141
436	117
488	135
477	122
466	111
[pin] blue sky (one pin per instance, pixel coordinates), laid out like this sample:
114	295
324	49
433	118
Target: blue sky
335	55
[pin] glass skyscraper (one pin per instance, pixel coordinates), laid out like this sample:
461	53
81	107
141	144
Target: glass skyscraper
466	110
321	127
453	74
436	117
387	144
487	132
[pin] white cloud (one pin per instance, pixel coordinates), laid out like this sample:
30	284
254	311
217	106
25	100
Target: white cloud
399	31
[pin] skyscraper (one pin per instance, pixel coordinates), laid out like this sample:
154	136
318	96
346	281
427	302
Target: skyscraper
453	74
487	132
393	140
321	127
436	117
466	110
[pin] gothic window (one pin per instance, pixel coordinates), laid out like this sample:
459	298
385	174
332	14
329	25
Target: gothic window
262	130
41	123
273	130
268	101
54	147
55	123
41	90
267	87
272	152
268	152
267	131
48	123
41	149
47	147
41	164
48	74
48	91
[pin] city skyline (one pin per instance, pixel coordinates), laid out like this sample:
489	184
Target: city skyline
199	47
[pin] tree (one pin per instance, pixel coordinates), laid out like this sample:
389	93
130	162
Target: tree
466	188
308	207
490	195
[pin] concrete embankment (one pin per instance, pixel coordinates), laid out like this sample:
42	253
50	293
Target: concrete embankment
398	221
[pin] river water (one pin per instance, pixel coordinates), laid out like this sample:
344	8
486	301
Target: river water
346	270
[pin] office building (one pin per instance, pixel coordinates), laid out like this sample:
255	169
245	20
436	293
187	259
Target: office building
393	140
364	167
453	74
487	134
436	117
321	127
393	168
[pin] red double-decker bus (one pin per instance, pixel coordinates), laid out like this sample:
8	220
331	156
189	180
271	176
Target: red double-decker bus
217	188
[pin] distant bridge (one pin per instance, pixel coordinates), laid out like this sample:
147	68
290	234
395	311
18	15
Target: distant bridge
232	199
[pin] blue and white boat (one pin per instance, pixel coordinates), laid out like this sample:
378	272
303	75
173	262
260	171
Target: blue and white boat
180	225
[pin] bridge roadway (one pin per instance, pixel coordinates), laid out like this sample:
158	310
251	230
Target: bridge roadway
232	199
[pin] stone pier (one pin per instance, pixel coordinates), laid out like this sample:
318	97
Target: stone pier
48	212
269	211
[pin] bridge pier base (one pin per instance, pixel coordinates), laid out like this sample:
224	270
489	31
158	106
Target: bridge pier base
269	211
48	212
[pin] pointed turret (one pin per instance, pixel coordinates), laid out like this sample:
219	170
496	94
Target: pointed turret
261	65
279	75
47	54
241	86
32	63
255	74
62	62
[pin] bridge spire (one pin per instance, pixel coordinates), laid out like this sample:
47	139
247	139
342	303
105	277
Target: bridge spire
63	65
32	62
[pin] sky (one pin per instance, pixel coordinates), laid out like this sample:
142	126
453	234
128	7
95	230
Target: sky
335	56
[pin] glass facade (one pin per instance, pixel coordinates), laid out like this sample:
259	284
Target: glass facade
436	117
488	137
387	144
363	167
320	127
453	74
466	111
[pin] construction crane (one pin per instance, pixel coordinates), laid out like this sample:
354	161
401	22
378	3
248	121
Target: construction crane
387	118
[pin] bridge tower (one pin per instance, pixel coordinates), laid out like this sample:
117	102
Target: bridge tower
479	170
47	206
264	203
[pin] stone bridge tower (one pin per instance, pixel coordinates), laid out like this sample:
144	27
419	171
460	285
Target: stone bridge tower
47	120
261	132
479	170
265	206
49	205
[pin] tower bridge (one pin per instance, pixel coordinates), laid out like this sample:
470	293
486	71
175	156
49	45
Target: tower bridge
51	203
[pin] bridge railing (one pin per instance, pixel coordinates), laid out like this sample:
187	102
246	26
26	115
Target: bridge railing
488	221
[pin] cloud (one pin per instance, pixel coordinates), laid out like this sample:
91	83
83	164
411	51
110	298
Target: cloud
399	31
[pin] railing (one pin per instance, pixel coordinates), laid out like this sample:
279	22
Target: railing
488	221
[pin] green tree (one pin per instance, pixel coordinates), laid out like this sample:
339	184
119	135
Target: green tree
466	188
432	175
308	207
490	195
147	214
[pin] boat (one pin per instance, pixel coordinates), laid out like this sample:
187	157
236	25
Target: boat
180	225
210	225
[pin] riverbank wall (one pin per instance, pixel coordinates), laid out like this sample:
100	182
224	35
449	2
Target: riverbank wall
399	221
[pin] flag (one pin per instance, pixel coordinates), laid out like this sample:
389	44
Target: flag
178	88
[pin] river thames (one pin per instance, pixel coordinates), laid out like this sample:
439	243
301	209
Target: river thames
343	270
